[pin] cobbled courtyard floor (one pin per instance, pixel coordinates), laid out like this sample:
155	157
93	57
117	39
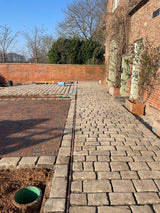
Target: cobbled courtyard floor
116	166
116	158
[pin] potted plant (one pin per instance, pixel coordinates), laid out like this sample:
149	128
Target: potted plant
147	57
114	90
135	107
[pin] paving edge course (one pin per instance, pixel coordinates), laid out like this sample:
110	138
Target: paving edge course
57	199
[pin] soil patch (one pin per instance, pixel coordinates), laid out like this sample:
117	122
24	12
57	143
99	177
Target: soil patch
13	180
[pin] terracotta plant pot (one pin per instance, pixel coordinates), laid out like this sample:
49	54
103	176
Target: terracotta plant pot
156	127
114	91
135	108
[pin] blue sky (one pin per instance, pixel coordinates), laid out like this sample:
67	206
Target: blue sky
23	15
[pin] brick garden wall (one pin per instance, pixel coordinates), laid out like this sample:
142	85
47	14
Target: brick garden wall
26	73
143	25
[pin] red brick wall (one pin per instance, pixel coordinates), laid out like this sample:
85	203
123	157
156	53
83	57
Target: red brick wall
142	25
25	73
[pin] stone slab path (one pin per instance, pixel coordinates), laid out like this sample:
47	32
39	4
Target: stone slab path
116	166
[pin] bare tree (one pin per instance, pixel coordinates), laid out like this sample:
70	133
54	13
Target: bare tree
102	4
38	44
6	40
33	41
100	33
82	17
15	58
45	47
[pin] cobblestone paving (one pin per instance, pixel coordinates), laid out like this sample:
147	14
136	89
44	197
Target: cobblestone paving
32	127
37	89
116	166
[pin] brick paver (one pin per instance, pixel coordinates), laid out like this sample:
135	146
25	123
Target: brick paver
116	166
32	127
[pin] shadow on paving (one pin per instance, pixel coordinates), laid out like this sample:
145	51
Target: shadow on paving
145	123
29	137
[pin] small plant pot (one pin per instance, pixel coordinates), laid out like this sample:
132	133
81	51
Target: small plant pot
114	91
10	83
135	108
156	127
61	83
27	197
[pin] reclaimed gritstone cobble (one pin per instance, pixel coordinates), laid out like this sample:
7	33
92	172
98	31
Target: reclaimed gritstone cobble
116	166
37	90
58	194
116	159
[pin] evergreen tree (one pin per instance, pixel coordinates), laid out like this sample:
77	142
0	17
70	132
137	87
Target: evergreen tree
76	51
